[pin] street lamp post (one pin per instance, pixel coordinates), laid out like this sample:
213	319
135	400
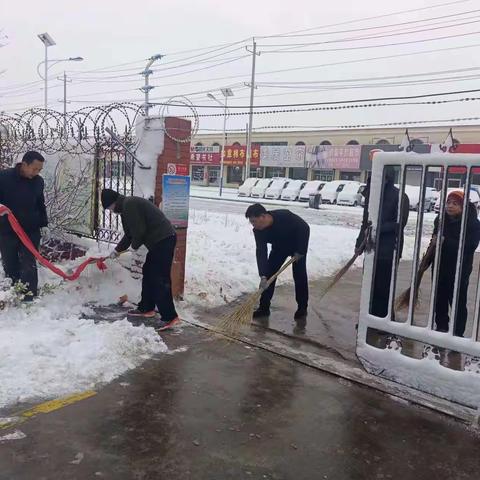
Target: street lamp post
49	42
226	92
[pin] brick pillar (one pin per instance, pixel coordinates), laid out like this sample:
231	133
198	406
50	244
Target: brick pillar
175	155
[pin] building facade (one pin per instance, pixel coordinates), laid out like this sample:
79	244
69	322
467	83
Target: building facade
312	155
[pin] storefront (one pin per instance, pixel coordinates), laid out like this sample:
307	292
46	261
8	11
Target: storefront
205	164
331	162
323	175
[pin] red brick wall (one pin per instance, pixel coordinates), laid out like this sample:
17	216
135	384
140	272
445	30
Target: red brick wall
178	154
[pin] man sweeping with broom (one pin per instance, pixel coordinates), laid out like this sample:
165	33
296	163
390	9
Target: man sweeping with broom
288	234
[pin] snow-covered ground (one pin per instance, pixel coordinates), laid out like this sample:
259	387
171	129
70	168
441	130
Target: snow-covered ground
53	348
49	349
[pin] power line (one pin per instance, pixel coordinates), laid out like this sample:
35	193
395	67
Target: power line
304	83
409	22
375	17
370	37
334	102
342	49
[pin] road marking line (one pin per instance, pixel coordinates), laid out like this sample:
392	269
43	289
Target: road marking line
46	407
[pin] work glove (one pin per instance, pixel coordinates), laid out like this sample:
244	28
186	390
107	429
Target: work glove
263	283
297	256
114	255
45	233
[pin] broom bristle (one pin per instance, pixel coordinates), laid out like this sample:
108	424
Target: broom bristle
241	316
403	300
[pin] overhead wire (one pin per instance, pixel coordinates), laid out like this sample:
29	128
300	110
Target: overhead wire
377	27
374	17
365	47
370	37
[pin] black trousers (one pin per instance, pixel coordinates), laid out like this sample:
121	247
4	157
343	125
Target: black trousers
156	282
381	287
444	301
299	268
18	263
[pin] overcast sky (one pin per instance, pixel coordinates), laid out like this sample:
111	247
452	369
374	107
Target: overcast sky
110	33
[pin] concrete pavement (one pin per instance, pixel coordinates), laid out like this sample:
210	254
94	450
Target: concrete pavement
222	410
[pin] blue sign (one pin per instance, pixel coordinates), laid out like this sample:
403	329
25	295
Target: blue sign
175	198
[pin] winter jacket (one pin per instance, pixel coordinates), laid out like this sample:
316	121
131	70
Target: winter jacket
450	242
389	226
143	223
24	197
288	234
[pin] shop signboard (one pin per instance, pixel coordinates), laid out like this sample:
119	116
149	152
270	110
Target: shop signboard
282	156
335	157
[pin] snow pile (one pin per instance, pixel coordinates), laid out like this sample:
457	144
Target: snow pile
221	262
51	348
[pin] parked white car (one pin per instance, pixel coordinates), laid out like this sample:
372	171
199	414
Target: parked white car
258	191
474	198
293	189
245	190
351	194
331	190
413	194
311	188
274	191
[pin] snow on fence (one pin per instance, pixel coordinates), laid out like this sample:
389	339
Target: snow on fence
404	345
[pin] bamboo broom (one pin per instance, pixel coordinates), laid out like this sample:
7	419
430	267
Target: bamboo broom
242	315
403	300
339	275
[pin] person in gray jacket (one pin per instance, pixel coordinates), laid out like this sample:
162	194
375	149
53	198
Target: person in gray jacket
145	224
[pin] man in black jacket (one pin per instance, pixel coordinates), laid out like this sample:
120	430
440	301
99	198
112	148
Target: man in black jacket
288	234
390	234
145	224
21	190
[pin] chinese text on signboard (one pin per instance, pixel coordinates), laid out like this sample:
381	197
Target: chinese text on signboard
175	198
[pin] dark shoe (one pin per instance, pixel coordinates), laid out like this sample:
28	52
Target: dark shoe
139	313
300	313
163	325
261	312
300	326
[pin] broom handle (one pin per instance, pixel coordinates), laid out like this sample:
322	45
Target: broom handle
275	275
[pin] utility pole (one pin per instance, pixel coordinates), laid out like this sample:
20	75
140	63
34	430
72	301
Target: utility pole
65	103
147	87
64	79
250	114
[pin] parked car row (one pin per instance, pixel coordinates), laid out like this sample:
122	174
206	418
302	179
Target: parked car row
336	192
343	192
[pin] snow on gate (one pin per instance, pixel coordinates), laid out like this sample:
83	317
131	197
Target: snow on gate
404	346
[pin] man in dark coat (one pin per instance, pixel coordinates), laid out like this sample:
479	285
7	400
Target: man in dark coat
145	224
288	234
448	261
21	190
390	234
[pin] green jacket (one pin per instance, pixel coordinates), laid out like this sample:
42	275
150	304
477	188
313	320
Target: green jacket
143	223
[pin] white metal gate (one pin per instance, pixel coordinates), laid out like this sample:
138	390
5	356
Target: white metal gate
404	346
